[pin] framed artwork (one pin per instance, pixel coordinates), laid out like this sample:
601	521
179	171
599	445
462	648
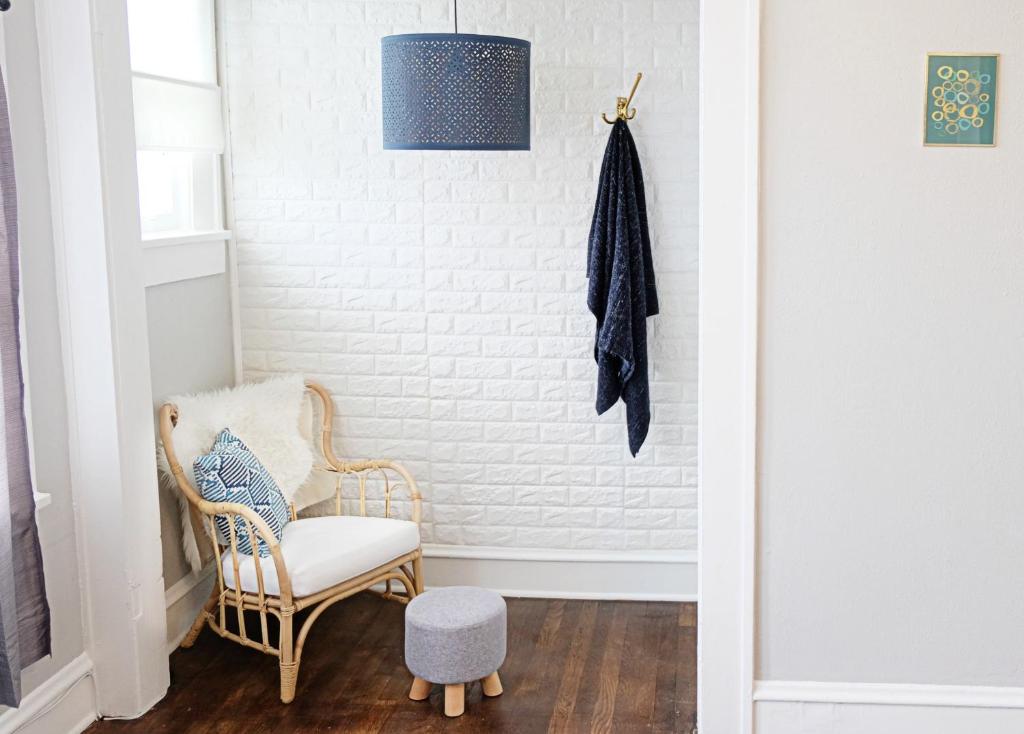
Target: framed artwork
961	99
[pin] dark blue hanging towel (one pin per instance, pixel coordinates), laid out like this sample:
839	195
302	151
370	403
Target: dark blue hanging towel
621	292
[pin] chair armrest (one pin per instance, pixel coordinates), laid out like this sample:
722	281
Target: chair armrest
359	468
362	469
258	530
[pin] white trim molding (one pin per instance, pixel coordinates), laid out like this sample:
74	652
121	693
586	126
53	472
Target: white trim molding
228	193
184	256
565	574
86	93
803	707
889	694
184	586
184	599
727	359
184	261
65	702
185	238
513	572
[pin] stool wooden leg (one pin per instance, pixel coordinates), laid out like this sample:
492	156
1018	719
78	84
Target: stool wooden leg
420	690
454	699
492	685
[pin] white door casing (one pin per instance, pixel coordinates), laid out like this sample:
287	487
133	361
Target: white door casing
91	144
728	313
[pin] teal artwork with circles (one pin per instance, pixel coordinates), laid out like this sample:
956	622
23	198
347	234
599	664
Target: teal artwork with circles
960	104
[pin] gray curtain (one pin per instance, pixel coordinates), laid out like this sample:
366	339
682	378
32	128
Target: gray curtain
24	612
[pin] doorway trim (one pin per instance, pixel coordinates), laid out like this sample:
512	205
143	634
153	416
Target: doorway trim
86	94
727	406
728	316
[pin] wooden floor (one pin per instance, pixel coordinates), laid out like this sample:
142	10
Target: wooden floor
572	666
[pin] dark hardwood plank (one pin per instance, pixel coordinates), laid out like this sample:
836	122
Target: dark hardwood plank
608	676
538	692
523	637
572	673
635	700
686	667
587	694
572	666
666	716
687	615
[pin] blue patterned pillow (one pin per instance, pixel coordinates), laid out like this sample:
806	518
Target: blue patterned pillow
232	473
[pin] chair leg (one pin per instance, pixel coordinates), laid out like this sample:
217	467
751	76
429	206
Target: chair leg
289	674
201	618
289	666
417	573
492	685
454	699
420	690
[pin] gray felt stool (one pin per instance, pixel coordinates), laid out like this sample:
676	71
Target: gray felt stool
454	635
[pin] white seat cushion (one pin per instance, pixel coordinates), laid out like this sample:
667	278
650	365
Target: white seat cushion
320	552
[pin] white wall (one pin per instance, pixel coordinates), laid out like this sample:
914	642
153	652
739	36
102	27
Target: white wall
441	297
190	350
41	341
891	350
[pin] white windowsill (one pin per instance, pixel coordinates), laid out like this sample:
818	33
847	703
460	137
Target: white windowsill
169	239
212	86
43	499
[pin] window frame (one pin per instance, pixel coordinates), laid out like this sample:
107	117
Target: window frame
173	254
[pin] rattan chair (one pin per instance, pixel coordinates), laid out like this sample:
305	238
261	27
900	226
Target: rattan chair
265	587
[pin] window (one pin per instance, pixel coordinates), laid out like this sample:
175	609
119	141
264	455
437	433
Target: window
174	40
179	130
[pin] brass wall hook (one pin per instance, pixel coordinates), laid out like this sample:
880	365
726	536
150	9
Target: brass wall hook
622	110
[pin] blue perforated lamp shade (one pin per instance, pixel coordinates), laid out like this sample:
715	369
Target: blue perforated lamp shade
448	91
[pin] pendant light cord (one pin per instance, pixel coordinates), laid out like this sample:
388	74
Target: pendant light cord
456	17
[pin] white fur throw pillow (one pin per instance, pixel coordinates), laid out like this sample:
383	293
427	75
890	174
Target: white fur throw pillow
265	415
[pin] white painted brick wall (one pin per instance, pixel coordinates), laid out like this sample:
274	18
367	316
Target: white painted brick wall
441	296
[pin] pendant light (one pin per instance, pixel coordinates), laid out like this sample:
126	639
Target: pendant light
455	91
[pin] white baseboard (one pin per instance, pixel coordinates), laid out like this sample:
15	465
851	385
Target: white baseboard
810	707
184	599
515	572
565	574
65	702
